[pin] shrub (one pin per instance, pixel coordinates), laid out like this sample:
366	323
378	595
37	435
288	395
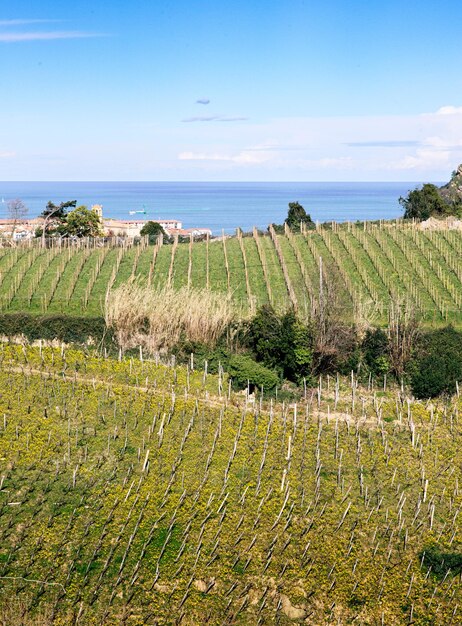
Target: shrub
219	355
437	364
442	562
424	203
245	371
281	343
64	328
374	349
263	336
299	367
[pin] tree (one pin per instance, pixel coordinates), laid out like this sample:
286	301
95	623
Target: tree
437	363
424	203
17	211
281	343
55	214
81	222
374	349
152	230
297	215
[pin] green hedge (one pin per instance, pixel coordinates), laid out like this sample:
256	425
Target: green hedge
437	364
441	562
61	327
244	372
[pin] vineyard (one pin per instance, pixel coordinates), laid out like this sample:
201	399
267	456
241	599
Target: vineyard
140	493
370	265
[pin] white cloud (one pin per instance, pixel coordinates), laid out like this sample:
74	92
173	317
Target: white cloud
198	156
21	22
45	36
215	118
435	153
449	110
335	163
244	157
418	147
7	155
424	159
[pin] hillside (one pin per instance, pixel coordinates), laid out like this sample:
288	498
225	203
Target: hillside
368	266
452	191
140	494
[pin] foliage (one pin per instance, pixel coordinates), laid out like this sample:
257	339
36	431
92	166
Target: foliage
244	371
437	365
296	216
81	222
202	353
442	562
374	349
58	211
79	330
424	203
281	343
54	216
153	230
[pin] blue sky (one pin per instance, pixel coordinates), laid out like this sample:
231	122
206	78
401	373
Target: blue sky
242	90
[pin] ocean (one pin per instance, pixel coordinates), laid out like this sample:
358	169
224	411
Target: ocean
216	205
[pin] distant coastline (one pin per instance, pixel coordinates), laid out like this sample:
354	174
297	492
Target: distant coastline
217	205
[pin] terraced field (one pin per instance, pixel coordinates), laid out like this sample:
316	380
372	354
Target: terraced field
136	493
370	265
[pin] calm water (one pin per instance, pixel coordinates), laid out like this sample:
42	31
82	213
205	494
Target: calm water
217	205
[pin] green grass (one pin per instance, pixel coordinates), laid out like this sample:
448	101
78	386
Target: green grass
237	272
161	266
275	274
180	267
373	265
98	293
58	302
256	276
217	268
199	266
295	274
144	262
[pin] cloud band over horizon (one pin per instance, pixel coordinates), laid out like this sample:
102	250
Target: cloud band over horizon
46	36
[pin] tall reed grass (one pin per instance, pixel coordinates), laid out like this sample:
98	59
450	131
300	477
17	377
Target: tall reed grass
159	319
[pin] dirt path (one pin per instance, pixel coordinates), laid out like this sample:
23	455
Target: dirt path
208	400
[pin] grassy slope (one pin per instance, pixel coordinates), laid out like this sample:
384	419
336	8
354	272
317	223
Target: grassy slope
121	502
374	266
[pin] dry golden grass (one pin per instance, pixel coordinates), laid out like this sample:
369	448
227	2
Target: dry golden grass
158	319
